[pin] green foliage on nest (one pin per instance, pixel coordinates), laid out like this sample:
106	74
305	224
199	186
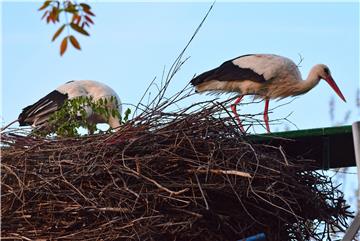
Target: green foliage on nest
68	120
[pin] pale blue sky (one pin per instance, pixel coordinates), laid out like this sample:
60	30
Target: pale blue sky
132	42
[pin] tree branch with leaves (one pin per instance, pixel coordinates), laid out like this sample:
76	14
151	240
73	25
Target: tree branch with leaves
74	114
77	18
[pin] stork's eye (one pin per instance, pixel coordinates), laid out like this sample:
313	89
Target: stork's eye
326	70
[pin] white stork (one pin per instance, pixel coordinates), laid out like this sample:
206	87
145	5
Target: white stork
266	76
37	114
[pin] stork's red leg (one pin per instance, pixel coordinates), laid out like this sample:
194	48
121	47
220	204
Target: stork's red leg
266	117
233	108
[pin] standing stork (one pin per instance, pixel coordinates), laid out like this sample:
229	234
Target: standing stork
266	76
37	114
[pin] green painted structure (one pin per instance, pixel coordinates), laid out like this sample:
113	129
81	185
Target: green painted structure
331	147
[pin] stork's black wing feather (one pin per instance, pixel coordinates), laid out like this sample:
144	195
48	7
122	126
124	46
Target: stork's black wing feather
228	71
208	75
40	111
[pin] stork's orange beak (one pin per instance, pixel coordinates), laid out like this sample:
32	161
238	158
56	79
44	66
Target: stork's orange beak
333	85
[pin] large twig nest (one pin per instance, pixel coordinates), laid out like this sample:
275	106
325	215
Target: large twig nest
183	177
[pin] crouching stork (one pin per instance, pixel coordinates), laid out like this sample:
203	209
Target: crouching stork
265	76
38	114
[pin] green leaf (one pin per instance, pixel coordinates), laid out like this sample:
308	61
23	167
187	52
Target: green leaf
78	29
113	113
71	9
58	32
69	6
127	113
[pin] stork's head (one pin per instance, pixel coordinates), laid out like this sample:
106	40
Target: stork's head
324	73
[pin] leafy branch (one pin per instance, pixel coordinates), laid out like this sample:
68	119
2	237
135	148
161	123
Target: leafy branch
74	114
80	19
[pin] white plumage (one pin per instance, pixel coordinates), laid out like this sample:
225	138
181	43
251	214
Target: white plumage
268	65
37	114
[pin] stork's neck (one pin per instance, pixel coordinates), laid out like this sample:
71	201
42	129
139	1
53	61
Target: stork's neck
311	81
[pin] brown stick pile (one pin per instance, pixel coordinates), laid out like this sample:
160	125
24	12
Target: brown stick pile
185	176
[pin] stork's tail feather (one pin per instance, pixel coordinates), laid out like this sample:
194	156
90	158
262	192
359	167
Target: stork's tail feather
37	114
203	77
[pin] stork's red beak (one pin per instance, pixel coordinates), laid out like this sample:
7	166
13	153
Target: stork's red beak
333	85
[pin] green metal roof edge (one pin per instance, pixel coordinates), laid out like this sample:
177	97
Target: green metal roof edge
328	131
